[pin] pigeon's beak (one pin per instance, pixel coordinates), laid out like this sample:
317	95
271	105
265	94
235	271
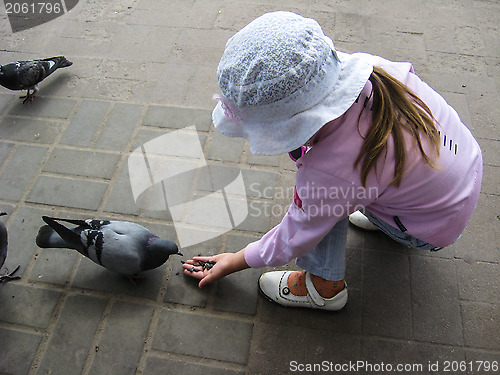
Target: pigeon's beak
179	253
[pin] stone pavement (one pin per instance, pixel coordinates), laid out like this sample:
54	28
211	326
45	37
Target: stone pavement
143	68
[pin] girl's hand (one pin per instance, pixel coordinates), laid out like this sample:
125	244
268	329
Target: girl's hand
225	264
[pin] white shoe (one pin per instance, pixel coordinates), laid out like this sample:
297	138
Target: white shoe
361	221
274	285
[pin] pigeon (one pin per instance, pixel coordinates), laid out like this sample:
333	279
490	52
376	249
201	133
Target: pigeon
25	75
120	246
3	252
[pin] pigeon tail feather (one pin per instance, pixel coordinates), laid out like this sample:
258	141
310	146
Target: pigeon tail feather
47	238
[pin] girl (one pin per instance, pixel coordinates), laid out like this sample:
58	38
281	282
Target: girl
368	134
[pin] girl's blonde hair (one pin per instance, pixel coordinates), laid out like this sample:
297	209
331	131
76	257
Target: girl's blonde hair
395	110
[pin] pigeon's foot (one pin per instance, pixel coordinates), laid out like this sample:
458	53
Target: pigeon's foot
133	278
10	276
28	97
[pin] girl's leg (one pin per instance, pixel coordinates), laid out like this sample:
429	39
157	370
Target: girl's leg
325	263
327	259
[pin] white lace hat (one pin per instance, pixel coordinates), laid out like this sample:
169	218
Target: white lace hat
282	80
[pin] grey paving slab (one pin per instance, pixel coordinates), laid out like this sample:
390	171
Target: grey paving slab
183	333
238	293
54	266
279	349
123	339
119	126
82	163
29	130
225	148
478	281
72	337
5	100
5	149
20	170
435	305
95	277
18	351
67	192
85	123
178	118
384	276
481	323
168	366
45	107
17	303
422	358
22	230
121	198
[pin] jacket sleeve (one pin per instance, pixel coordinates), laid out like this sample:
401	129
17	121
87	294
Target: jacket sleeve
320	201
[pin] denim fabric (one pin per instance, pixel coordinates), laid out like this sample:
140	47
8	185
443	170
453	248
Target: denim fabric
327	259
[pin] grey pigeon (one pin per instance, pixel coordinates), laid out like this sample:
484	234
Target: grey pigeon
3	251
25	75
120	246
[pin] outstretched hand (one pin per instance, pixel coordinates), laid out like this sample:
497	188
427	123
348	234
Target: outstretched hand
221	265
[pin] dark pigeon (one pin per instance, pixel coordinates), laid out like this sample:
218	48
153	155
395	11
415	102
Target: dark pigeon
3	251
120	246
25	75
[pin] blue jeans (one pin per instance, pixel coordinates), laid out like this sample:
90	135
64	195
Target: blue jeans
327	259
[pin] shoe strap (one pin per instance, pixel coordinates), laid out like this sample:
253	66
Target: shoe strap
311	291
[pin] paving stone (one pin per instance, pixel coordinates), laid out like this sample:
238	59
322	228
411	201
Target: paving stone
479	238
259	213
271	161
423	358
121	198
225	148
18	304
18	351
479	357
119	126
185	333
491	180
95	277
237	293
67	192
436	309
71	341
123	339
23	227
85	122
279	349
481	324
29	130
20	170
478	281
177	118
5	100
82	163
54	266
45	107
5	149
383	272
168	366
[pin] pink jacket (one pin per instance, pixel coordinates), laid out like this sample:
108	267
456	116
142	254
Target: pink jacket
434	205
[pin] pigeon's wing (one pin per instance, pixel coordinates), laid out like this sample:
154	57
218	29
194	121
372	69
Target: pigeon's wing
69	236
117	252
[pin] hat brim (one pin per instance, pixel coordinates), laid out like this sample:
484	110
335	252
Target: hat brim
282	136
